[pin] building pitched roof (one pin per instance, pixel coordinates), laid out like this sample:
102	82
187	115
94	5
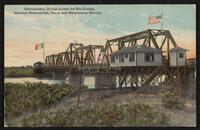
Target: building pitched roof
137	48
178	49
38	63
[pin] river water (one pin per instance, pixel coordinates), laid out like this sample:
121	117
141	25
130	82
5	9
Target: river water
89	81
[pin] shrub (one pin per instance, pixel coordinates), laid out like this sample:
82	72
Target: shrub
100	115
22	97
169	100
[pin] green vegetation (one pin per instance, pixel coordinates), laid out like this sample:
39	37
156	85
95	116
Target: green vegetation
23	97
171	101
99	115
18	72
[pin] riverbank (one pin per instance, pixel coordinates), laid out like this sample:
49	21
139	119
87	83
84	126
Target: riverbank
25	97
18	72
108	108
23	72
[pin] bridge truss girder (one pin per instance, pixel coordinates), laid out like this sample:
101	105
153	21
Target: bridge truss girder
78	53
149	38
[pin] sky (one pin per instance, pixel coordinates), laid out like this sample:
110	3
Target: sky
22	31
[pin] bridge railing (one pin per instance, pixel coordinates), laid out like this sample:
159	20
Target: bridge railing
191	62
61	66
99	65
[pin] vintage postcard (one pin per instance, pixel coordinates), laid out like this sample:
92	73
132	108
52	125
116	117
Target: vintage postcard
100	65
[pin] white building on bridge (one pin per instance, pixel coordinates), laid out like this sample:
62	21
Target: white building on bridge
138	55
177	56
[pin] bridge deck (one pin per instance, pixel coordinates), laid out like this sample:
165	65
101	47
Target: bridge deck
104	68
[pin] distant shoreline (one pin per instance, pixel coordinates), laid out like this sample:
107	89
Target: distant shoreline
20	72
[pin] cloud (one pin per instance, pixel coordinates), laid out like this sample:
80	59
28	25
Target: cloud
57	31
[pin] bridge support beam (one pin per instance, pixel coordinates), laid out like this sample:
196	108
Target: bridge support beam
105	81
74	79
191	85
59	75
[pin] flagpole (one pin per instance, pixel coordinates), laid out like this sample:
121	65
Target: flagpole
43	54
162	24
162	21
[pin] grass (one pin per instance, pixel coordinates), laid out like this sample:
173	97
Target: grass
23	97
19	72
99	115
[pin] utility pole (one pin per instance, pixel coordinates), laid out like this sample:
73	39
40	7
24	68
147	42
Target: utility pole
80	80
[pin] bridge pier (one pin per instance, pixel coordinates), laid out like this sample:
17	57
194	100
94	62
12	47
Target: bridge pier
105	81
59	75
74	79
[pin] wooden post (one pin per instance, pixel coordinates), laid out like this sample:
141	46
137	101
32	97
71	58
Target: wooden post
185	82
168	58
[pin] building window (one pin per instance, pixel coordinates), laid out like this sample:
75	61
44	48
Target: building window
149	57
132	57
126	55
181	55
112	59
121	58
116	56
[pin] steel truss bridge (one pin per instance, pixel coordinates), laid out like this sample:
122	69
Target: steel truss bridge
94	59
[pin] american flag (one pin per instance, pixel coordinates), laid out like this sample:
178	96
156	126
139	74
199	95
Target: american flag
154	19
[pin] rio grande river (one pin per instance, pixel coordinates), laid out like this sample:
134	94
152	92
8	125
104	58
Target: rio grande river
89	81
